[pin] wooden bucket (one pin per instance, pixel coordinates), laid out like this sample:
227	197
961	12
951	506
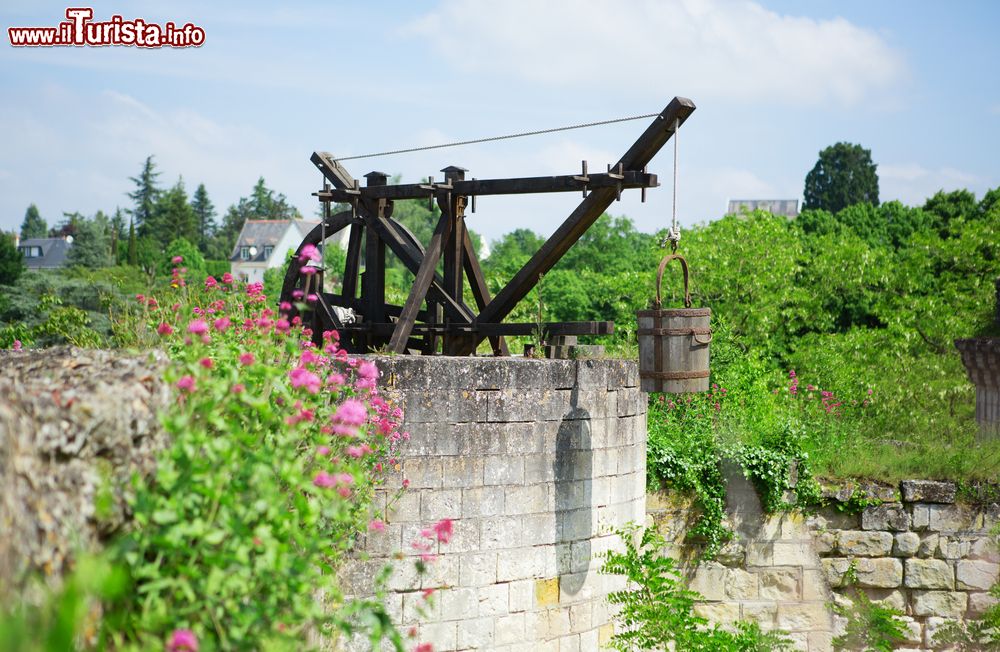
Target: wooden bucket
673	343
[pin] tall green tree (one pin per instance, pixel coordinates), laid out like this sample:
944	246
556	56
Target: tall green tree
91	246
173	217
33	225
843	176
11	260
117	225
204	214
133	252
145	195
262	204
946	207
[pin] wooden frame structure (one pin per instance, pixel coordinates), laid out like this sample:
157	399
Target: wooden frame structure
435	312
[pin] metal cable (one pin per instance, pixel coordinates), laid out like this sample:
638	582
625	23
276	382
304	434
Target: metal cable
496	138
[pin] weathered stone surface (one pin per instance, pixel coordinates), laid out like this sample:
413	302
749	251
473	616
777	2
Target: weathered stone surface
928	491
894	598
976	575
979	603
859	543
779	584
803	616
953	518
74	424
946	604
928	545
953	547
905	544
888	516
929	574
877	573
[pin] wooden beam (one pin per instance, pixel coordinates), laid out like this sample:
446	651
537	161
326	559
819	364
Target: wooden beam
480	290
519	328
632	179
353	263
334	224
421	284
591	208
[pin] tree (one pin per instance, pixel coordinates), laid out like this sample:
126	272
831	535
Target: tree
133	252
33	225
204	215
172	217
91	246
192	260
117	225
990	200
946	207
11	260
263	204
844	175
145	194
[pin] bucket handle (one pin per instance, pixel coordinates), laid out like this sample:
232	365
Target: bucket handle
659	279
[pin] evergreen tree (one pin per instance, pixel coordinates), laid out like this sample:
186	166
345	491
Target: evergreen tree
843	176
173	217
11	260
91	246
133	254
33	225
117	225
204	214
145	195
265	204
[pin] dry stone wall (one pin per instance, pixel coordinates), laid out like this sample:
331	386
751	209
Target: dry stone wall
918	551
535	461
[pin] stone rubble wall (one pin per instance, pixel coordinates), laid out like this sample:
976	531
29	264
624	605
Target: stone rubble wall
918	551
535	461
75	425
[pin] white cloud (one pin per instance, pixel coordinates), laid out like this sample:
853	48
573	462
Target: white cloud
912	183
735	50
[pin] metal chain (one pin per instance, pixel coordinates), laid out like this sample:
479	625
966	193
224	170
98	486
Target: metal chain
496	138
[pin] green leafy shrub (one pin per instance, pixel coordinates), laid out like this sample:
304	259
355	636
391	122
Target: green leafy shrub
657	608
871	626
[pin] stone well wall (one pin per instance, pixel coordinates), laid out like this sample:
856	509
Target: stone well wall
918	551
535	461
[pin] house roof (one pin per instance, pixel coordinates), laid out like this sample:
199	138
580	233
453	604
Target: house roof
54	252
785	207
267	233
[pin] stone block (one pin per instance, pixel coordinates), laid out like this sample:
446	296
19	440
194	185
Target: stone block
913	631
976	575
760	554
547	592
953	547
945	604
423	473
929	574
739	584
785	553
928	545
720	613
539	529
521	595
779	584
953	518
889	597
709	581
441	503
539	468
478	568
859	543
494	599
814	585
503	470
984	548
803	616
887	516
762	613
928	491
581	617
461	472
820	641
476	633
483	501
876	573
921	517
444	636
979	603
522	563
405	508
826	542
501	532
532	499
906	544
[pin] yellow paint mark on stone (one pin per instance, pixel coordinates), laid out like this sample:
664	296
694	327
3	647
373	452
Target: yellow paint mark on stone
547	592
605	633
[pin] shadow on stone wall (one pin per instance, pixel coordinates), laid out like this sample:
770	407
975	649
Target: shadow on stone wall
573	471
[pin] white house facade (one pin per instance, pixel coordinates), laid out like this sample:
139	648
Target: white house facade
264	244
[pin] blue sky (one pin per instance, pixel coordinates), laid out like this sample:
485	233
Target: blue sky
774	82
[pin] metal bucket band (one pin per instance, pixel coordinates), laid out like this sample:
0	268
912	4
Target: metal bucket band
674	375
676	312
674	331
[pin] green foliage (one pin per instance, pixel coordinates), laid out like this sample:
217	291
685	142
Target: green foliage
871	626
191	259
843	176
204	217
91	246
145	195
657	608
173	217
946	207
980	635
11	261
33	225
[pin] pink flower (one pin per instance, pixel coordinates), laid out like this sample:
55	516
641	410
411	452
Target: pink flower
182	640
324	480
206	363
310	252
323	451
221	324
284	305
376	525
186	384
308	270
227	278
164	329
210	282
239	388
351	412
17	345
427	593
198	327
368	370
424	647
444	529
177	260
301	377
246	359
297	294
